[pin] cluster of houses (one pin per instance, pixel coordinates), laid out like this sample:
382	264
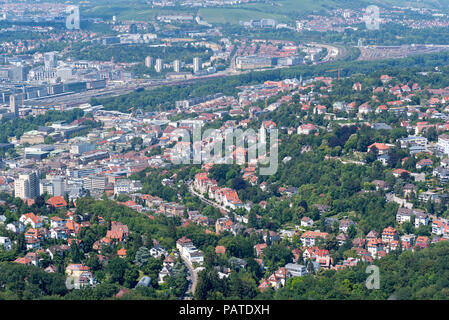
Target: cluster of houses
226	197
39	230
373	246
101	166
35	233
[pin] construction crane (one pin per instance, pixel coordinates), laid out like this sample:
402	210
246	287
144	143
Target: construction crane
160	111
338	70
132	112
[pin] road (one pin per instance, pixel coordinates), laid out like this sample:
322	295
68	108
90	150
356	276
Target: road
193	277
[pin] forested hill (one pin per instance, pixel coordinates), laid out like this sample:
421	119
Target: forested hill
409	276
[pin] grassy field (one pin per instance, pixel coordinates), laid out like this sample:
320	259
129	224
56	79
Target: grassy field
234	15
282	11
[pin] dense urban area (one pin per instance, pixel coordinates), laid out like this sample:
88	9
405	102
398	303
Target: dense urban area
103	195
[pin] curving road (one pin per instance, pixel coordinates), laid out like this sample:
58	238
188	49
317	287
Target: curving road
193	277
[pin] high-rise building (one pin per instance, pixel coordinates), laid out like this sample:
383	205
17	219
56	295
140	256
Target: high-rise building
158	66
148	62
17	73
56	186
50	61
59	186
132	28
176	66
196	64
15	101
27	186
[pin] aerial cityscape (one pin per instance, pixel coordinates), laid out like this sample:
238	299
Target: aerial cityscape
224	150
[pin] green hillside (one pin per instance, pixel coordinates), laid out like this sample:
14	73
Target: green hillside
281	10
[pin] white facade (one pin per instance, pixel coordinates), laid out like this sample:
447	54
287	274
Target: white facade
6	243
26	186
196	64
176	66
148	62
158	66
443	144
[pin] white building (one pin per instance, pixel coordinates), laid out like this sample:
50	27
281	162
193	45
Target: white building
148	62
296	270
306	128
50	61
55	187
196	64
176	66
443	144
80	148
126	186
6	243
158	65
16	227
26	186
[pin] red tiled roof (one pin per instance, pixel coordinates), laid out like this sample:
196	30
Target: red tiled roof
57	202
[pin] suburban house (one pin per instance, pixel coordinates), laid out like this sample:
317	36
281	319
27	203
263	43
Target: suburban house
31	219
309	238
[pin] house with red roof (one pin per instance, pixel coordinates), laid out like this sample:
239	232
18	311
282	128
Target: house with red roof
423	163
57	202
56	222
319	109
223	224
220	249
389	234
309	238
422	242
24	261
385	78
399	172
121	253
73	227
31	219
259	248
307	128
119	232
374	246
382	148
